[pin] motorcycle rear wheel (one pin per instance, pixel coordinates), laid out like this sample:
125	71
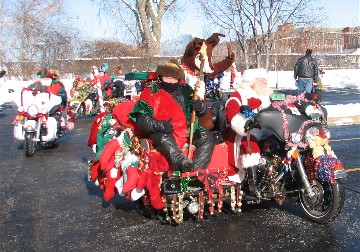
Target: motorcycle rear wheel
327	203
29	144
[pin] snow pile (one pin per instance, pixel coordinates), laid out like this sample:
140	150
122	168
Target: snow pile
345	78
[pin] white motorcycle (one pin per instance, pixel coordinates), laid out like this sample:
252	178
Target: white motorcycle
38	119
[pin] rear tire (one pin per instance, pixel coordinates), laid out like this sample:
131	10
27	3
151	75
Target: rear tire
327	203
29	143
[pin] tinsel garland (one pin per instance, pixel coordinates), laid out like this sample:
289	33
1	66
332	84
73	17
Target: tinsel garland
321	168
324	167
278	105
184	184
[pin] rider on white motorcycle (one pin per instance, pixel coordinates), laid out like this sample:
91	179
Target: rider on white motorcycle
49	82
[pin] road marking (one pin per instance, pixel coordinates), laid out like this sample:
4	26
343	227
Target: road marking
352	169
345	139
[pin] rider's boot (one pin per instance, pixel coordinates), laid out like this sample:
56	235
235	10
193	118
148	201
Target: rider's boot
253	180
167	145
204	142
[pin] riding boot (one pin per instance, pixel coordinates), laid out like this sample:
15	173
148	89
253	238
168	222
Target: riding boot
253	180
166	144
204	142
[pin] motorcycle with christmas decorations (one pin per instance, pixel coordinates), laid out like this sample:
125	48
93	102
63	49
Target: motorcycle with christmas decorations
296	163
39	119
296	160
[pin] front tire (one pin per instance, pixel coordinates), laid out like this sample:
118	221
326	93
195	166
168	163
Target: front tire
29	143
327	203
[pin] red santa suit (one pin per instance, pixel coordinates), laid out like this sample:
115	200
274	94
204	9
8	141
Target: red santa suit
240	155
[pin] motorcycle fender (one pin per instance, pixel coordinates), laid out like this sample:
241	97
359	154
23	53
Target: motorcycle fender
30	126
19	131
52	128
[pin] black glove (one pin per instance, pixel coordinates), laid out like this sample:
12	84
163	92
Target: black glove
167	127
197	105
249	124
245	107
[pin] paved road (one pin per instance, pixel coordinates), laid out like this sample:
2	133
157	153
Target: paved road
47	204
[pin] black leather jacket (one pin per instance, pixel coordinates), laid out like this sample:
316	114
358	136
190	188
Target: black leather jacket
306	67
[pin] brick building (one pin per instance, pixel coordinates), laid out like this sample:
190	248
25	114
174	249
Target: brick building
289	39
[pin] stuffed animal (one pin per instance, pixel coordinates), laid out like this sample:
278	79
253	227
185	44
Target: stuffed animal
120	166
191	65
320	145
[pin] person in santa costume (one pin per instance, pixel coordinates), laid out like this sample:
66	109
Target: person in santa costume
240	135
164	111
50	82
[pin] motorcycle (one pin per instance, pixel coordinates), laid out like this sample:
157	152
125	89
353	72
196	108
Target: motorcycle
292	167
38	119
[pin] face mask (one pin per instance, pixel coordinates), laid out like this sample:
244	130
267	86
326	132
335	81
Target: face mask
169	87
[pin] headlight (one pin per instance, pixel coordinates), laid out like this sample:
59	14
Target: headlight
193	207
32	110
295	137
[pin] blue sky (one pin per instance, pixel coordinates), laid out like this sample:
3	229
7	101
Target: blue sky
341	13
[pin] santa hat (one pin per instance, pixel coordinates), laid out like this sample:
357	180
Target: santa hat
250	75
171	69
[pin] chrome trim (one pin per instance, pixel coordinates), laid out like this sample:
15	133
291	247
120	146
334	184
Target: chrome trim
339	174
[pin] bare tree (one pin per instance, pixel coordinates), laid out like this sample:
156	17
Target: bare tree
36	35
254	21
145	25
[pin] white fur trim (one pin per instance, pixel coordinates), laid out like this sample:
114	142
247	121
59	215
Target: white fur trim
113	172
238	123
238	177
253	74
137	194
249	160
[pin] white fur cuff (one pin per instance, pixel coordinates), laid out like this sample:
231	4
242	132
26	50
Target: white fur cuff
238	123
249	160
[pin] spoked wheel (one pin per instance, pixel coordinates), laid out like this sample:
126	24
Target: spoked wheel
29	144
326	204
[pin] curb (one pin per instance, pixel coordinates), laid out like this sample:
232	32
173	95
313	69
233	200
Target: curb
334	121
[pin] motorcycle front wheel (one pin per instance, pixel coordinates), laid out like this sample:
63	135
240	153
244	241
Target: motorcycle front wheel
327	203
29	143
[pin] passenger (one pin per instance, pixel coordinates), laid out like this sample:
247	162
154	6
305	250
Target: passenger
241	108
164	111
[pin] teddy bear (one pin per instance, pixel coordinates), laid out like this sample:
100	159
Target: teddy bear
320	145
